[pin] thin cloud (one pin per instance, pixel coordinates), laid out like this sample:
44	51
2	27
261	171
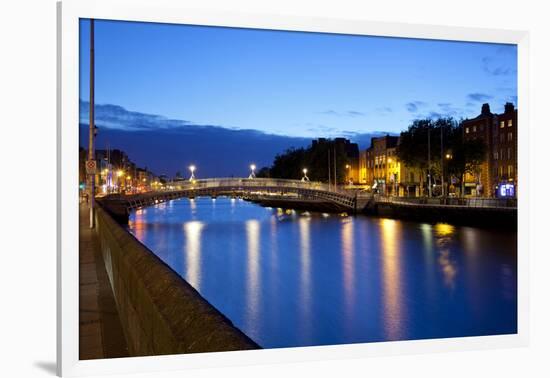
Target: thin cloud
385	110
479	97
414	106
349	113
117	117
494	66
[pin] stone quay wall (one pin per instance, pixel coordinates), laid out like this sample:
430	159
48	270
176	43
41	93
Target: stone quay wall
159	311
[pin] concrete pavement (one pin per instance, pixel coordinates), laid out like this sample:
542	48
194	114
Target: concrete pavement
100	333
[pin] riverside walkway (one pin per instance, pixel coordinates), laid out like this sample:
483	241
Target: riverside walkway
100	331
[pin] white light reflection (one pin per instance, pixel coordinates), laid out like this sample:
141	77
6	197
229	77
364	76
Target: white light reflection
193	232
253	279
305	276
193	206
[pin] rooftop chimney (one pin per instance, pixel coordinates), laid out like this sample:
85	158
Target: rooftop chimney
485	109
508	107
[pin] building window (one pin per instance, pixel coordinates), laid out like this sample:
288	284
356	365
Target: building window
501	154
474	129
510	171
481	127
509	123
509	153
467	130
495	154
501	124
502	138
501	171
510	136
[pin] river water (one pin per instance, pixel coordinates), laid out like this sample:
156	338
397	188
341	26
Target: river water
296	279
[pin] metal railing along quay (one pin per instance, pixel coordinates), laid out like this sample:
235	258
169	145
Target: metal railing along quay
508	203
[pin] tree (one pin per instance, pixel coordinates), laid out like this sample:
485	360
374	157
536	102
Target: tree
289	165
264	172
445	159
413	147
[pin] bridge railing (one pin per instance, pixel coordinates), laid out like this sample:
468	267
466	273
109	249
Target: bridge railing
449	201
254	182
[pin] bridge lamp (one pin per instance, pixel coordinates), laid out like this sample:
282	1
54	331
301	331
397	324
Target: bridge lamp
252	171
305	178
192	169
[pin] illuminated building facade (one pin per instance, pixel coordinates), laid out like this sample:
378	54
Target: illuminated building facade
497	175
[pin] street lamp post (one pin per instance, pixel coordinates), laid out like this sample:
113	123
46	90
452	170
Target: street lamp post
192	169
252	171
91	151
448	156
305	178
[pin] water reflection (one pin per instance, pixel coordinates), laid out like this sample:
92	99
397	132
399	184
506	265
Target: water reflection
444	237
193	206
348	252
192	252
393	313
253	271
296	280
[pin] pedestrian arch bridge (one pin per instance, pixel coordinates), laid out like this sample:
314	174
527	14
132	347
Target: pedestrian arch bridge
121	205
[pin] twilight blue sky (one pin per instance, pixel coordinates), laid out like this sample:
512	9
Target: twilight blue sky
290	84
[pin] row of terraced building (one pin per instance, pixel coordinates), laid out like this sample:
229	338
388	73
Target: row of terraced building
379	167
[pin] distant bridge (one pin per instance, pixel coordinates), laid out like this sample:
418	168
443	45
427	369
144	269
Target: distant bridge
121	205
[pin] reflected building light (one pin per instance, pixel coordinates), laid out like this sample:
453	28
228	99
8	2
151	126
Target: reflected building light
448	268
427	236
192	252
139	224
444	236
393	315
471	240
444	229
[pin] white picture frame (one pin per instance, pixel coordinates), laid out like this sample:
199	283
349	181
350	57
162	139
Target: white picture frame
164	11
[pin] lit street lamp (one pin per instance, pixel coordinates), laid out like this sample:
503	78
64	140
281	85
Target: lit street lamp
252	171
192	169
305	178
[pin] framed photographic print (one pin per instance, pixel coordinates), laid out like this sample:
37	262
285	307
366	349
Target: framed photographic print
250	188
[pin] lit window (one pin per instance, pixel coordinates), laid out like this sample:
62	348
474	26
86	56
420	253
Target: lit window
474	129
467	130
509	123
510	171
501	124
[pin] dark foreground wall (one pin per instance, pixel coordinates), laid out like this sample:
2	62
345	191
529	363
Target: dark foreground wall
160	312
